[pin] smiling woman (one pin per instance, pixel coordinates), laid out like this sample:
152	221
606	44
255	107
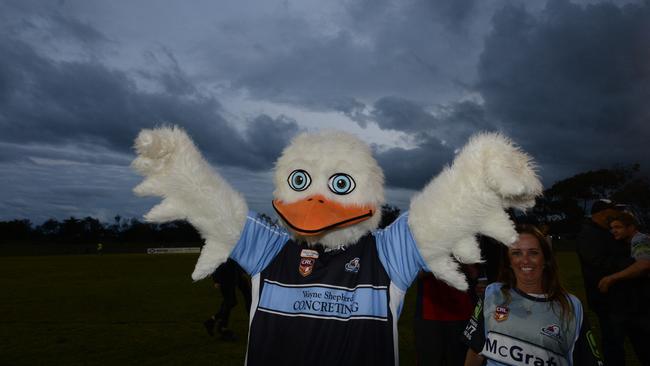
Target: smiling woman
528	317
527	263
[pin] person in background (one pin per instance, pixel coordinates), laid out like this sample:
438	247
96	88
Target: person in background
528	318
601	255
441	314
226	277
636	324
624	227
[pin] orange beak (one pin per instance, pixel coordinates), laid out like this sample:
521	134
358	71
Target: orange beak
316	214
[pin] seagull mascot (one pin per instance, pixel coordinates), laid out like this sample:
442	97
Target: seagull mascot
328	285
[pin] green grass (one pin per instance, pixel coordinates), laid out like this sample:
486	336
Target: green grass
109	310
135	309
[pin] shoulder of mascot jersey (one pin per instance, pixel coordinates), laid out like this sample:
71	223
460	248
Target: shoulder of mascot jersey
398	252
258	244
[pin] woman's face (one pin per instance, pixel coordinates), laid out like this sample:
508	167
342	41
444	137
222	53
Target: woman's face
527	261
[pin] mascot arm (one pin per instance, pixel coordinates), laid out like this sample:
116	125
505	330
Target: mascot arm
489	175
190	190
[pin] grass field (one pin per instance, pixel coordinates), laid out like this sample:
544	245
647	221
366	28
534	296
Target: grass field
134	309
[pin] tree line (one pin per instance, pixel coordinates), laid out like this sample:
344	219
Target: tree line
565	204
562	206
90	230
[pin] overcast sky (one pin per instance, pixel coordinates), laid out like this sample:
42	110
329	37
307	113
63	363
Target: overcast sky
569	81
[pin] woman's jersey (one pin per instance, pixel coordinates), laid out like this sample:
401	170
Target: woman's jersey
317	307
529	331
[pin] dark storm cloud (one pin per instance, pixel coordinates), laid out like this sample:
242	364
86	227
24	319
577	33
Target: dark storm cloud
86	102
164	69
452	123
43	189
400	114
68	121
413	168
46	24
370	50
267	137
572	84
436	135
79	153
458	121
71	28
452	13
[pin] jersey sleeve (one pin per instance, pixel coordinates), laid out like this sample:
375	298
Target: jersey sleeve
398	252
474	334
641	248
585	350
258	244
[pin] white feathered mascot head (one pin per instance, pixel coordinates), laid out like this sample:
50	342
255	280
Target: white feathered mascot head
328	188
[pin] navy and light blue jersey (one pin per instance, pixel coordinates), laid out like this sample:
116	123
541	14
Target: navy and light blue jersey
528	330
318	307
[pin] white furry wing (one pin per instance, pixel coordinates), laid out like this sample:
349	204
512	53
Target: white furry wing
489	175
191	190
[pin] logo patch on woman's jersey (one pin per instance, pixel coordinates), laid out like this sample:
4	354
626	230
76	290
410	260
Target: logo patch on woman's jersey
307	259
552	330
501	313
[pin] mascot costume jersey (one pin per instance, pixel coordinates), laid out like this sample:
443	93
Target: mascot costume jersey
328	287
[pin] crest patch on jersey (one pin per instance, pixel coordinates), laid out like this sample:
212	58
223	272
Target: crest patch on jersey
501	313
353	265
552	330
307	259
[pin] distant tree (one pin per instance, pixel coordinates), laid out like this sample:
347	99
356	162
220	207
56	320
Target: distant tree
139	232
49	230
636	191
71	230
571	196
15	230
92	230
586	187
179	231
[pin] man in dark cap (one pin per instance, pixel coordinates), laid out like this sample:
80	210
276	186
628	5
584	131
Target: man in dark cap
601	255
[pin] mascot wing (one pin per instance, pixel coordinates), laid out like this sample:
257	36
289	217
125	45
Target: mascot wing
191	190
489	175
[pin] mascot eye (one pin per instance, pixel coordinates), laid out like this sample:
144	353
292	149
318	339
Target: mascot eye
299	180
341	183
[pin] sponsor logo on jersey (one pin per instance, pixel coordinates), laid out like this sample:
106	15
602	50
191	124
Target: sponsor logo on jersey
309	253
511	351
553	331
353	265
323	301
501	313
307	259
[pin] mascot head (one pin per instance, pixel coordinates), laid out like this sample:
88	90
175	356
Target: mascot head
328	188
